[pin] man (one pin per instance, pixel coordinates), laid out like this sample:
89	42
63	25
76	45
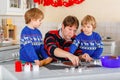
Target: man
57	42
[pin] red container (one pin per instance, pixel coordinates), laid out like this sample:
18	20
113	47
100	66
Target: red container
18	66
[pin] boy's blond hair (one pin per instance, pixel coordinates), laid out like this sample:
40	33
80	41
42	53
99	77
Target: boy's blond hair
88	19
33	13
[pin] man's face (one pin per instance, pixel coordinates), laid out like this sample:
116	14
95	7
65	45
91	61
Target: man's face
68	32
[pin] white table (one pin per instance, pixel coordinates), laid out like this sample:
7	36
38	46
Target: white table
99	73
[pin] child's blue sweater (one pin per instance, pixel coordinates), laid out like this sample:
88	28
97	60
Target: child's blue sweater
88	44
31	45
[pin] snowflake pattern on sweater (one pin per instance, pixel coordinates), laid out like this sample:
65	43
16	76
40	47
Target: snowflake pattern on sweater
31	45
92	44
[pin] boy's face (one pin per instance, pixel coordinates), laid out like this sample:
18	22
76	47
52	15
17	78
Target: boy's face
87	29
36	23
68	32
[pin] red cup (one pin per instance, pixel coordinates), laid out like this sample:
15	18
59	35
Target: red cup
18	66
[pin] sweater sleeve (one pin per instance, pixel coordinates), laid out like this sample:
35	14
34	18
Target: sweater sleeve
27	48
43	52
99	50
74	46
50	44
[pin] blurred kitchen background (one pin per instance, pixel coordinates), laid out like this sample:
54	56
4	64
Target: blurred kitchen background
106	12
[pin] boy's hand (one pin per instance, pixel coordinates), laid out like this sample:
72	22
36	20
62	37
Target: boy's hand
37	62
86	57
45	61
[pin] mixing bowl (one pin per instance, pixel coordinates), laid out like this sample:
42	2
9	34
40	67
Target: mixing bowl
110	61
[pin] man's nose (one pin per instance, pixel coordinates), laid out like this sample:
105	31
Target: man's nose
72	33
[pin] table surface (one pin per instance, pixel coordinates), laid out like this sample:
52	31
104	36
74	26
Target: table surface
65	73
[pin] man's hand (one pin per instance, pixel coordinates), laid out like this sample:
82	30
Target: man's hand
74	59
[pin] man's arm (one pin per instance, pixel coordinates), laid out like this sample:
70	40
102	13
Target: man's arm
54	50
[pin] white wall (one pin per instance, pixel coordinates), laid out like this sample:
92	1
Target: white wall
106	13
103	10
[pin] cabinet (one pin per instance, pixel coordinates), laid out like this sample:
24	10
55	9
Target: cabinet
109	47
9	53
15	7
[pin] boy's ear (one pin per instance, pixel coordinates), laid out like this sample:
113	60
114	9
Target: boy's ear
32	19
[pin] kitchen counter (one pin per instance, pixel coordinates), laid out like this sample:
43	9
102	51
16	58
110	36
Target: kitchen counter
9	52
94	73
7	47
